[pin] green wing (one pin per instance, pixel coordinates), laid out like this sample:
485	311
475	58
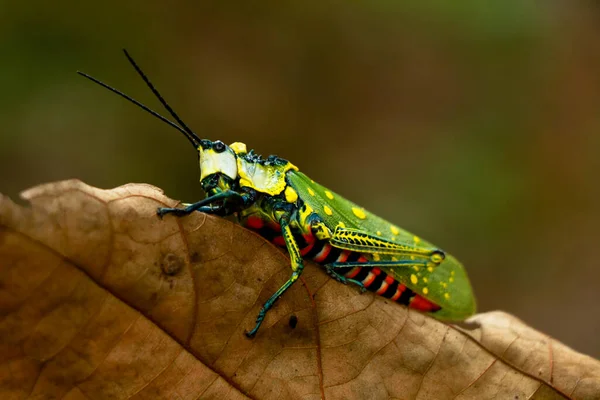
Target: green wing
446	284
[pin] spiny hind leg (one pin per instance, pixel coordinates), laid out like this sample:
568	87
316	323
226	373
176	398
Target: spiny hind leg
341	278
297	268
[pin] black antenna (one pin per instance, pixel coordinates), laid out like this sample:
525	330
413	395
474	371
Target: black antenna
190	134
137	103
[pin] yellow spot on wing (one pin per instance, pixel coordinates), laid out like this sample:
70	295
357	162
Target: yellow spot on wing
425	279
311	192
425	290
290	195
430	269
341	224
416	239
359	213
394	230
329	195
378	233
446	296
416	267
376	257
394	258
327	210
413	279
451	279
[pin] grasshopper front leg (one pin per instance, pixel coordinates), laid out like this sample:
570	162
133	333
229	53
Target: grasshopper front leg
204	205
297	268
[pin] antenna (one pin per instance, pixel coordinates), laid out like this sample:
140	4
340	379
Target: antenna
137	103
190	134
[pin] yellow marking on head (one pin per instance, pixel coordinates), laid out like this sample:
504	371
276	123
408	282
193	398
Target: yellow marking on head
416	239
425	279
394	258
394	230
238	147
451	279
416	268
446	296
378	233
430	269
425	290
329	195
359	213
327	210
376	257
413	279
290	195
311	192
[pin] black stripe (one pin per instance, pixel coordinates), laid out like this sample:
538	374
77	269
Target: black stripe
343	270
406	296
376	284
316	249
362	274
268	233
333	255
391	290
353	256
299	238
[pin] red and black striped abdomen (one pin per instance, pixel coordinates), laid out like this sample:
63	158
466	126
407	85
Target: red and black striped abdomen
321	252
372	278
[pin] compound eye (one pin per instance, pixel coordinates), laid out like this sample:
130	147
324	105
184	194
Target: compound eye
219	146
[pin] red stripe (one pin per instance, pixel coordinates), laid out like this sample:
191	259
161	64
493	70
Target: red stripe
396	296
309	237
422	304
343	256
353	272
382	288
279	241
376	271
362	259
254	223
305	250
323	253
389	280
369	279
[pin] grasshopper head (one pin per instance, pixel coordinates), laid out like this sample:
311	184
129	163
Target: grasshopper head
219	165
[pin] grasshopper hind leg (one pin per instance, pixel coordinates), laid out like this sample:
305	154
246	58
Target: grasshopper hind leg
297	268
341	278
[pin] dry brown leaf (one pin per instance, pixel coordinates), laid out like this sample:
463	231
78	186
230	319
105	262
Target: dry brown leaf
99	298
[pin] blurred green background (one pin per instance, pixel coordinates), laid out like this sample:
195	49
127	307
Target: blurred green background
476	126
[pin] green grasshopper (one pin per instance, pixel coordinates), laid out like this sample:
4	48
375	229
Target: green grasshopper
273	198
